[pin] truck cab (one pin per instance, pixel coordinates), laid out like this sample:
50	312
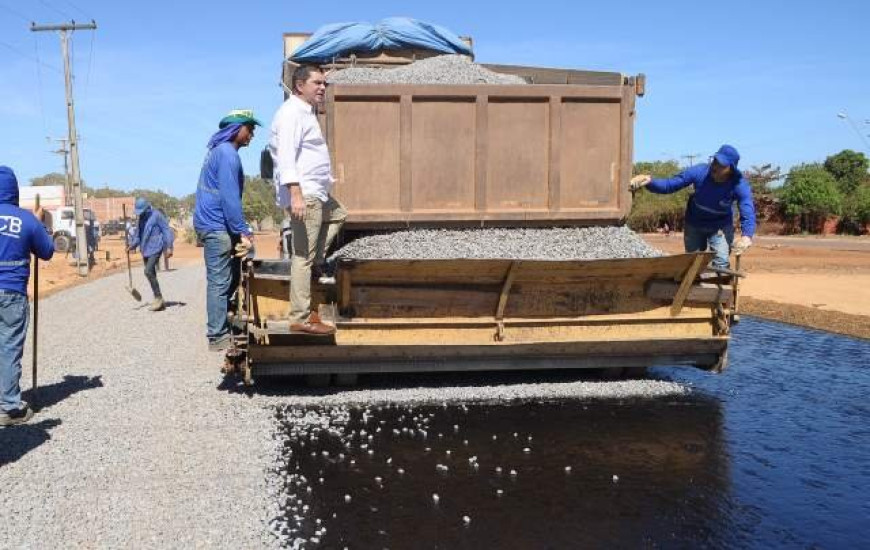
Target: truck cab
64	228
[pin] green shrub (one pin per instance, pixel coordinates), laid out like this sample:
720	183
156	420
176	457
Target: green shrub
811	192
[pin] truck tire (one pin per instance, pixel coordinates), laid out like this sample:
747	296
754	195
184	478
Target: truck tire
62	243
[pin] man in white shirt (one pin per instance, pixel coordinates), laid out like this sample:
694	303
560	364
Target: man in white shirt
303	176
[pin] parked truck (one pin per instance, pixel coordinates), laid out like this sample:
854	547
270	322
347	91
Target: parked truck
64	228
554	152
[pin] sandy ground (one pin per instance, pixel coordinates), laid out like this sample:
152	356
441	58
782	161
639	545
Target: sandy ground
820	282
824	281
61	272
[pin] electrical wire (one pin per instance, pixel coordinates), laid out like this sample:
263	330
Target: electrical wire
78	9
49	6
30	57
16	13
90	65
39	86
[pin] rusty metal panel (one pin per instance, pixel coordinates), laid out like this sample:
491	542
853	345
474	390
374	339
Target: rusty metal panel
428	154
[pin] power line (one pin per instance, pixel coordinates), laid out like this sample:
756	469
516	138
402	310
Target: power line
16	13
49	6
81	11
90	65
39	86
30	57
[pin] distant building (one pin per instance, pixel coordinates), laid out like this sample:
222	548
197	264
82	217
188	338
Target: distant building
50	196
110	208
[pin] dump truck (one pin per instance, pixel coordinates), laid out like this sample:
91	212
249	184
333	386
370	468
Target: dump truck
554	152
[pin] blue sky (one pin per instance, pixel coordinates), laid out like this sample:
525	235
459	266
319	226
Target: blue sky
154	79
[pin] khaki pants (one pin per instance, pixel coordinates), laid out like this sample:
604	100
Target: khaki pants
311	239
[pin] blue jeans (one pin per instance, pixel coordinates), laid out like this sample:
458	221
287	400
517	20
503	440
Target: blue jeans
222	272
151	264
14	317
719	241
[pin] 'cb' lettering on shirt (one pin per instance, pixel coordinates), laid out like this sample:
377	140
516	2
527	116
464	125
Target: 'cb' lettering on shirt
10	226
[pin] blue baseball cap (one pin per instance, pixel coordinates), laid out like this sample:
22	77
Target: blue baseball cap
142	205
727	156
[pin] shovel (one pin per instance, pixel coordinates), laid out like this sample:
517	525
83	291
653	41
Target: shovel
133	292
34	389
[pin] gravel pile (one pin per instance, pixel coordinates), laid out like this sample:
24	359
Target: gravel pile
578	243
140	443
442	69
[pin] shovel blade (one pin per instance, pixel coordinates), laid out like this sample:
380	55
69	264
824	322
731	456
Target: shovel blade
134	293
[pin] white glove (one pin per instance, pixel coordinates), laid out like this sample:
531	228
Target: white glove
742	245
639	181
243	247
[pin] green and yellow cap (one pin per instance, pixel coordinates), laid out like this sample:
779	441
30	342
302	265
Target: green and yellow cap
239	116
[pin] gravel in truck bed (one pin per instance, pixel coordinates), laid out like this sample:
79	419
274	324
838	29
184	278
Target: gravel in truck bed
442	69
576	243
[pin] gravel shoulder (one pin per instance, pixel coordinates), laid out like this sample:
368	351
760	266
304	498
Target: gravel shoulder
133	433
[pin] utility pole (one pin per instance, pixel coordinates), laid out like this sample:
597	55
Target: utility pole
67	188
75	176
691	158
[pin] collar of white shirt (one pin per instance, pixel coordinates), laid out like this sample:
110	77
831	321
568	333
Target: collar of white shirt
302	105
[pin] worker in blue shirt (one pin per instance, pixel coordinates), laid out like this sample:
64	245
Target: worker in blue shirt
219	222
709	213
153	237
21	234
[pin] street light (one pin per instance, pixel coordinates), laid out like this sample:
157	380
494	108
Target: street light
843	115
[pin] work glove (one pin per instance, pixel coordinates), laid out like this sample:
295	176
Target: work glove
243	248
742	244
639	181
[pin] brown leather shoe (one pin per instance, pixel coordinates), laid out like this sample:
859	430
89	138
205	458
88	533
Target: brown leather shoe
316	329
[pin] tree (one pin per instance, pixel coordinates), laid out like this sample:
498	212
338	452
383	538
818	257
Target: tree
258	200
650	211
107	192
860	202
170	205
811	192
53	178
188	203
849	169
760	178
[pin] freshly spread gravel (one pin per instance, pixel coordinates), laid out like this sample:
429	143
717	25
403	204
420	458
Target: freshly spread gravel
442	69
579	243
140	443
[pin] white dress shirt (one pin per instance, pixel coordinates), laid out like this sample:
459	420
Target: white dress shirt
299	152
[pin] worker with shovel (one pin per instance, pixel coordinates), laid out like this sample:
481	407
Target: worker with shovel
21	234
153	237
709	214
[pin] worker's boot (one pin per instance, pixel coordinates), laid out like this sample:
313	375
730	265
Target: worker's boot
157	305
314	326
17	416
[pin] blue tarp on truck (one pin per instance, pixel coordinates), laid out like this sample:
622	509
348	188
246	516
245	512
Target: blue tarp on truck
394	33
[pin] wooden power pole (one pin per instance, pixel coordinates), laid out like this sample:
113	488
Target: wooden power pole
75	176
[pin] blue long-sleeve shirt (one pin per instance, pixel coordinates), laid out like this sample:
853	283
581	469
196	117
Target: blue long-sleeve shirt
711	207
153	234
219	192
21	235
